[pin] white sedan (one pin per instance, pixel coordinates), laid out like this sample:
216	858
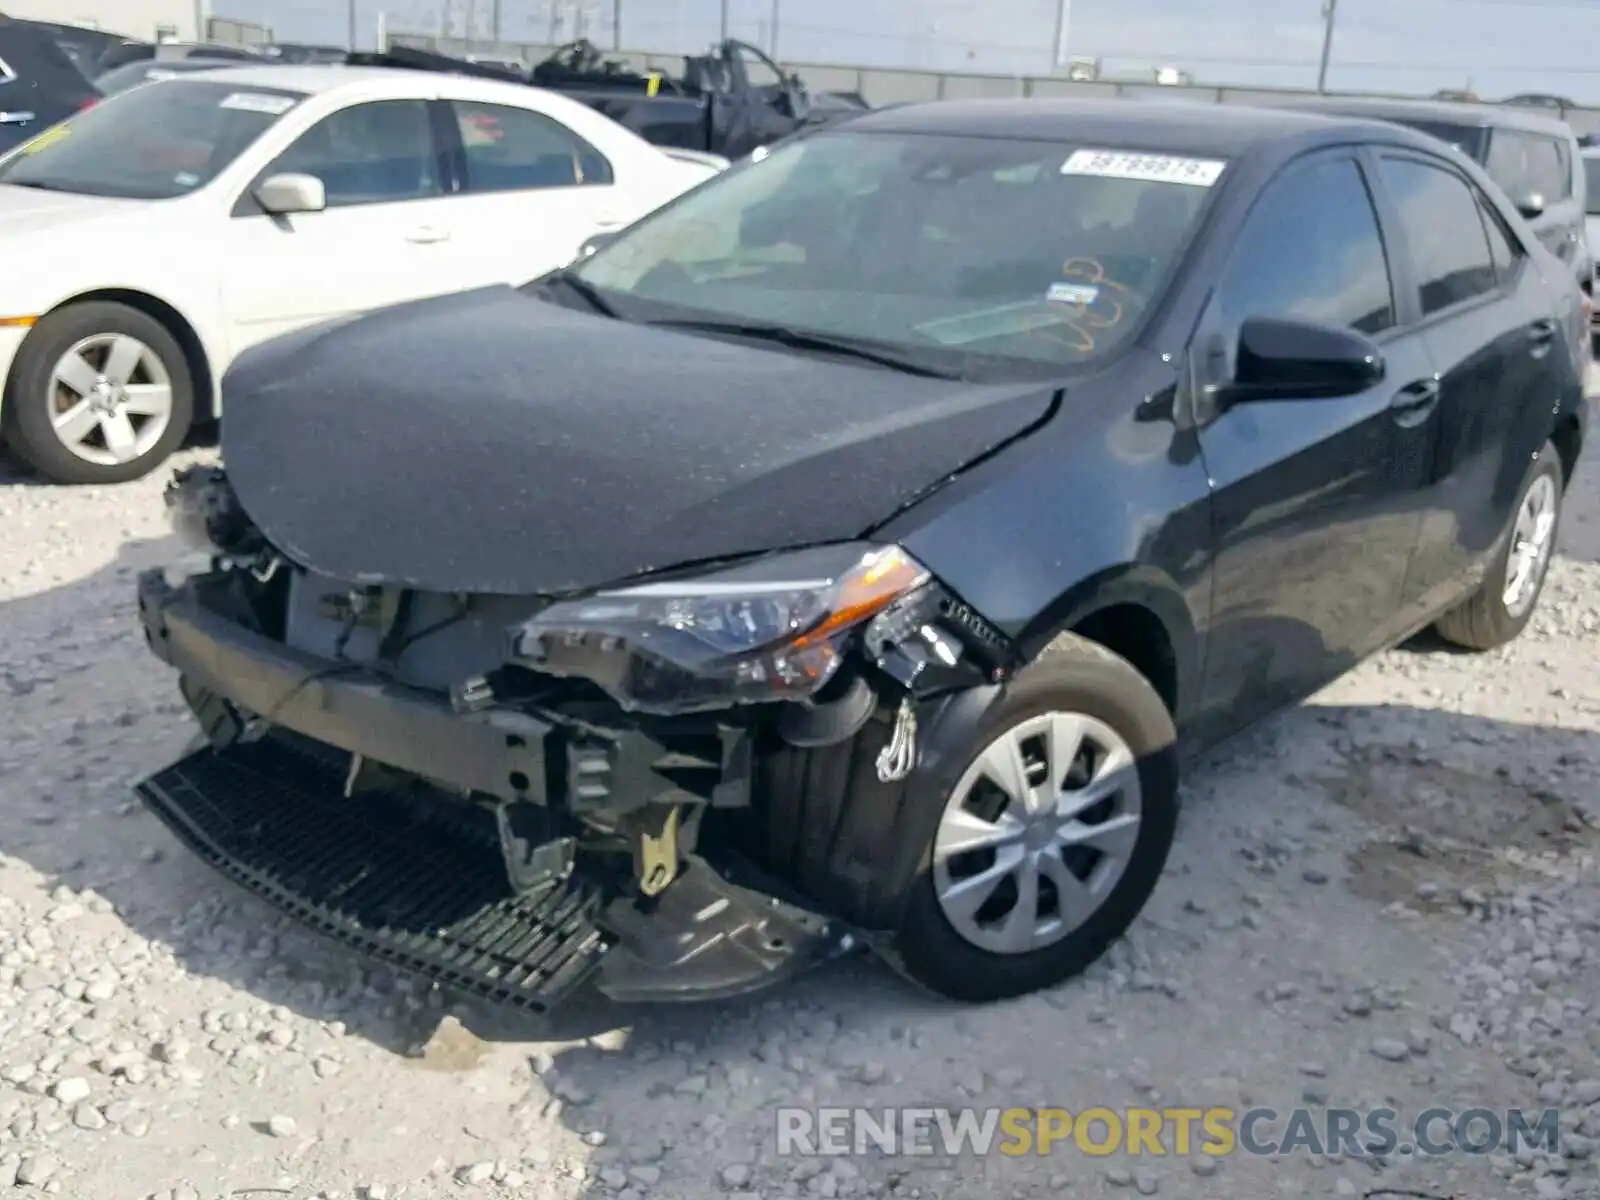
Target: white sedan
151	238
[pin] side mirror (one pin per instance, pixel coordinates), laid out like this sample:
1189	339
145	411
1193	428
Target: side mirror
1531	206
1282	359
596	242
282	195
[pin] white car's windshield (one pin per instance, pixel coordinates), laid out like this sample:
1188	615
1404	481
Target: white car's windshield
1012	250
153	142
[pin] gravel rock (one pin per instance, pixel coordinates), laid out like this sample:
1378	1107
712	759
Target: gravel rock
70	1091
1391	1049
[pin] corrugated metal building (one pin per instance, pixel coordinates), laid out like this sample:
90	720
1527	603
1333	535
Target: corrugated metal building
148	20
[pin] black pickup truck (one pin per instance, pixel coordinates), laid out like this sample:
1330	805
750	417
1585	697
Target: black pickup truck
728	101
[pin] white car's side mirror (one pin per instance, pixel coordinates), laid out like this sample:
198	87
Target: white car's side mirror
282	195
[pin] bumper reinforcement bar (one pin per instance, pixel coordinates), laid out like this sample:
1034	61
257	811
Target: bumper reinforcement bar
417	884
419	881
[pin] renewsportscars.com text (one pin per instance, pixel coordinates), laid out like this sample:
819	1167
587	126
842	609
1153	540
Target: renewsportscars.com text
1217	1131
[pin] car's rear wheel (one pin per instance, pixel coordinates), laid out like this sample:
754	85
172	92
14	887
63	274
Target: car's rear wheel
1054	836
100	393
1504	603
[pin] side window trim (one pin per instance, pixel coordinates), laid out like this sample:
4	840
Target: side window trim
448	147
1404	286
245	204
1460	306
1519	253
1564	166
580	146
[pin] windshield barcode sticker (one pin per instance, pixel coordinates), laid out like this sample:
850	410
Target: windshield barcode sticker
1152	168
258	102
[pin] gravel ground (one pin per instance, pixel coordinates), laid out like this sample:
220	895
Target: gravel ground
1386	896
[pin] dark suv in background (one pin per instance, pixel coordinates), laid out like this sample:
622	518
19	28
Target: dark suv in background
39	83
1534	157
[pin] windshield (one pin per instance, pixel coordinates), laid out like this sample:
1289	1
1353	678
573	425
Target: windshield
1591	173
1026	252
152	142
1469	139
120	79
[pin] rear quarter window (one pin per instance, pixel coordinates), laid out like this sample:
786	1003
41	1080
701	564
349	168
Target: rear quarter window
1526	164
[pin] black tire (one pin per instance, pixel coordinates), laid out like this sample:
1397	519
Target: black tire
1079	676
26	412
1482	621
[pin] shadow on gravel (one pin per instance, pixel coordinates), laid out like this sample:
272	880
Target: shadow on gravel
89	711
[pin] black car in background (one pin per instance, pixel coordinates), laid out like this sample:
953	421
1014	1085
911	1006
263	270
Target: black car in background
1532	155
39	83
130	75
84	47
165	52
856	548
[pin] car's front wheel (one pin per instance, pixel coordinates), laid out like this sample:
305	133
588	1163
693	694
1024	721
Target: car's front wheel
1504	603
99	393
1053	837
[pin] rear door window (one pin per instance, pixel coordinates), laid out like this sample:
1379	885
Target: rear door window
516	149
1526	164
1443	228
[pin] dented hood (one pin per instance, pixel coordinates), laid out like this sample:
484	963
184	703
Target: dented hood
493	442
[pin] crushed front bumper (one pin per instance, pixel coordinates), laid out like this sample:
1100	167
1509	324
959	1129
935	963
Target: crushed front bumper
418	879
496	754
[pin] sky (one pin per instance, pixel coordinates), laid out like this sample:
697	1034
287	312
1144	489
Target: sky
1495	47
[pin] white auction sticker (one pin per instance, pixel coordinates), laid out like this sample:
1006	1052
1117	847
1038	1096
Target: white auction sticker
259	102
1153	168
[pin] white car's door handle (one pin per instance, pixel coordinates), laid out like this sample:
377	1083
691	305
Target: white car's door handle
609	220
427	234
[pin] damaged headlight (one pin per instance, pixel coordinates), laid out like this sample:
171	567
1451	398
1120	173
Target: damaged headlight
774	629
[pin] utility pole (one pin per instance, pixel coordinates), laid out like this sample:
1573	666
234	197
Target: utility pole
350	34
1063	24
1329	9
772	46
724	35
616	24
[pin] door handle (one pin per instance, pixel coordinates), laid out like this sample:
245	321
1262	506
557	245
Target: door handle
427	235
1413	403
609	221
15	118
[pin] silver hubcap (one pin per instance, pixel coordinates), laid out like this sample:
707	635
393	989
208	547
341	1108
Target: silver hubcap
1037	833
110	399
1531	540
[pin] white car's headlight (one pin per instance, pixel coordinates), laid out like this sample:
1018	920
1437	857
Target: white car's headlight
768	630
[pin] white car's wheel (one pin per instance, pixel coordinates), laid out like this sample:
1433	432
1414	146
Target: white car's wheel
99	393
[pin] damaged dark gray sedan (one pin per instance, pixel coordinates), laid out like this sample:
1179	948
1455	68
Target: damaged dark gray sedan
850	552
